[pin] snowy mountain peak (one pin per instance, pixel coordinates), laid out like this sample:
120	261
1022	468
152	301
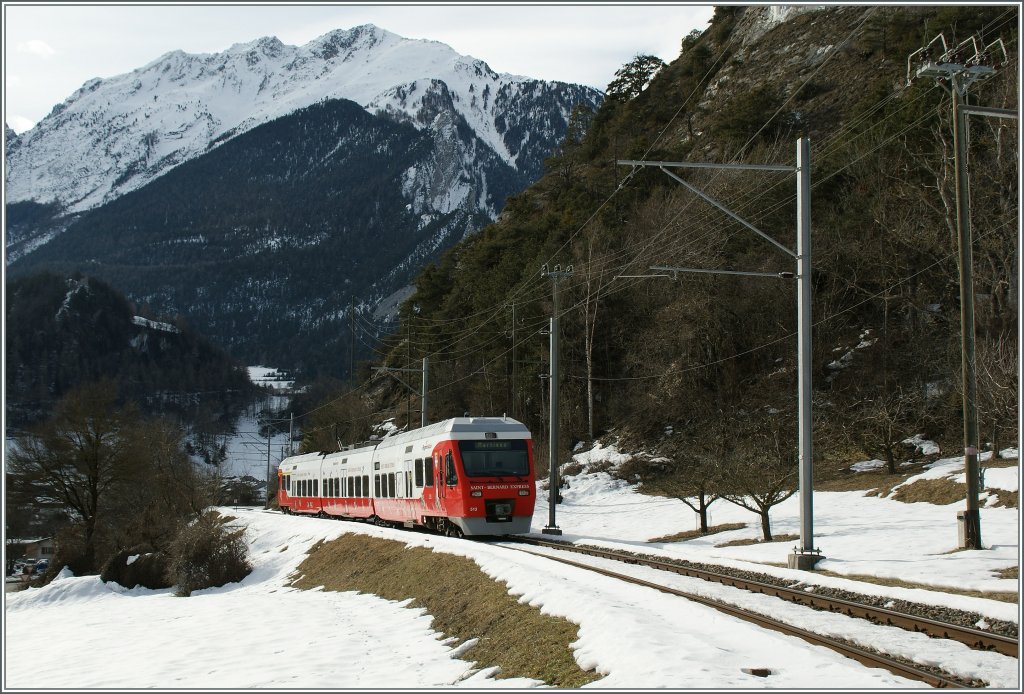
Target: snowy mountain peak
116	134
339	41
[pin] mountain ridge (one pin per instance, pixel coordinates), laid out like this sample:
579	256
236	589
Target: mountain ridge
181	105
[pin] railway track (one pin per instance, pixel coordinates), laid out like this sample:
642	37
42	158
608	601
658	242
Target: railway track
932	676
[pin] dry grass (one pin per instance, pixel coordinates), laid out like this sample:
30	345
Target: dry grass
1005	498
938	491
464	602
874	483
1010	572
1002	462
878	580
757	540
690	534
941	492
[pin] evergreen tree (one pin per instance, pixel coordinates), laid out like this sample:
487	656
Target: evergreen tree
634	77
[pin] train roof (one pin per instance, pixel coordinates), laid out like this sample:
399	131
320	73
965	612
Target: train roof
456	425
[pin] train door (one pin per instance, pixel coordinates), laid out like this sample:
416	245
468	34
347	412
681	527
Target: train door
439	485
428	497
449	480
400	489
441	488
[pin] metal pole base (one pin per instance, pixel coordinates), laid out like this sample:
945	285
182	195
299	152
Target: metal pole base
551	530
804	561
969	527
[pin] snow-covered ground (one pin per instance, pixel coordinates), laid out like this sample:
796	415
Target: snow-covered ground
247	448
81	633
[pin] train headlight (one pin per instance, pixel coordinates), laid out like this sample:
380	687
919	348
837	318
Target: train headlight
524	492
476	493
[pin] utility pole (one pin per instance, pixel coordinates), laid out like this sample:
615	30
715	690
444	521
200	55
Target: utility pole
806	555
408	356
268	465
423	395
352	340
957	69
555	276
513	407
423	388
291	434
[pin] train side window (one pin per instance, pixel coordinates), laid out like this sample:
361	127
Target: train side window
450	478
288	483
408	483
376	486
419	472
351	486
366	485
391	484
428	472
316	488
337	487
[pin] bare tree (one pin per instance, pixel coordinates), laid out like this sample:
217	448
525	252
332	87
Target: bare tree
693	470
762	471
998	386
594	277
80	457
167	487
879	423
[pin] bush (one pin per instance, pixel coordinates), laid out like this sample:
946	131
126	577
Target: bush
69	551
149	569
206	554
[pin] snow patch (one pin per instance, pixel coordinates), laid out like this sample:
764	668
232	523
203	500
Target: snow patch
154	325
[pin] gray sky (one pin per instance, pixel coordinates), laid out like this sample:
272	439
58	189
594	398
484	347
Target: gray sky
51	50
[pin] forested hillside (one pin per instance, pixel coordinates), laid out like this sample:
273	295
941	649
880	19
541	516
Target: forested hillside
270	240
65	332
696	366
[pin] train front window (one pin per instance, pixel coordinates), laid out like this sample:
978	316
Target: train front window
494	457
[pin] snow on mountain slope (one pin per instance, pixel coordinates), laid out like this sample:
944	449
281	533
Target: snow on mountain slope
124	131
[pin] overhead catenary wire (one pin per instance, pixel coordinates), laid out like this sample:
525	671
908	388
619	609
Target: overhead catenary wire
679	110
495	312
655	239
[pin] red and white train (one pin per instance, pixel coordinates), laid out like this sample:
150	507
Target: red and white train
462	476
